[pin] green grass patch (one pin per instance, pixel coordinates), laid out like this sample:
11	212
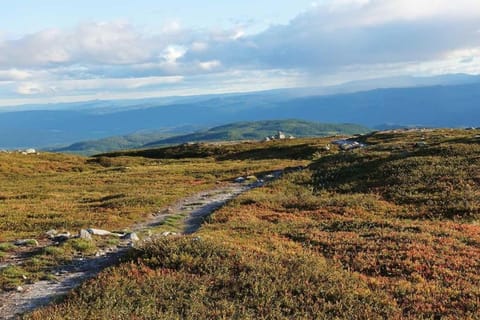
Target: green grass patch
5	247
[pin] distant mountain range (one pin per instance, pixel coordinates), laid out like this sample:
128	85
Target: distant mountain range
445	101
256	130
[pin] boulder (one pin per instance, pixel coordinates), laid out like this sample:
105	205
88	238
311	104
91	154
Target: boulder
99	232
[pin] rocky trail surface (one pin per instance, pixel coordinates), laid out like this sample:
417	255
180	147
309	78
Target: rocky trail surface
194	208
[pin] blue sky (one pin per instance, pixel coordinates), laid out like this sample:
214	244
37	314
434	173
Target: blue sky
60	51
28	16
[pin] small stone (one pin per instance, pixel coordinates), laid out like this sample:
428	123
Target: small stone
100	253
51	233
19	289
420	144
24	277
166	233
132	237
84	234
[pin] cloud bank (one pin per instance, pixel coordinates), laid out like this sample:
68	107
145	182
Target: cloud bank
332	38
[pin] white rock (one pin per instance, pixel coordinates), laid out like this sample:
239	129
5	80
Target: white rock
132	237
20	289
84	234
116	234
51	233
100	253
99	232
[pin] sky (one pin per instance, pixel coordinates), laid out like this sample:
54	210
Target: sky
62	51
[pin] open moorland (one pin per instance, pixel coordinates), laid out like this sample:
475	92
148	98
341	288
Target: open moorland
64	194
388	229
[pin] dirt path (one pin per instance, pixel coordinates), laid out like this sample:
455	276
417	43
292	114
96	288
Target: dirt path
196	208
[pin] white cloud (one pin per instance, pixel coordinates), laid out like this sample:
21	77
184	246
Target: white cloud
371	12
238	35
225	82
209	65
172	53
199	46
336	34
32	88
69	87
14	75
112	43
333	39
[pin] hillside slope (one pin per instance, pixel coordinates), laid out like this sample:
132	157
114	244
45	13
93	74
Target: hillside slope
130	141
257	130
388	231
232	132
